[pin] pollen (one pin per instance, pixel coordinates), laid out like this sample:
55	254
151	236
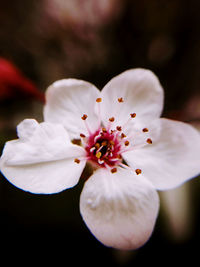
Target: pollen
120	100
113	170
126	143
133	115
138	171
119	128
111	119
104	130
98	155
99	99
77	160
84	117
149	141
145	130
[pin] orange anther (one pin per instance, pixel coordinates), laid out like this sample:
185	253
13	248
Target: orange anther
138	171
120	100
149	141
126	143
111	119
99	99
84	117
113	170
77	160
133	115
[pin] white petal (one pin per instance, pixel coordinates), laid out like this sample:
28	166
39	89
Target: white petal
141	93
119	208
66	102
43	161
171	159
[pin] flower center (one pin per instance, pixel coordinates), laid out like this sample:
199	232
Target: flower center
103	148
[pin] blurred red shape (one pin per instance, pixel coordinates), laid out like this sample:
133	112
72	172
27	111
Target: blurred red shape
13	83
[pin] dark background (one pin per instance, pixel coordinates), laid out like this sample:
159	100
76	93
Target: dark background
94	40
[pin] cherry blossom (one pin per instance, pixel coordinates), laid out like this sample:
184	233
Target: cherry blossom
133	152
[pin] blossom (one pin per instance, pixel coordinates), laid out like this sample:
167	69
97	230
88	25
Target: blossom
133	152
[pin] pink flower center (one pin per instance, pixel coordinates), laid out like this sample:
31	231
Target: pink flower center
103	148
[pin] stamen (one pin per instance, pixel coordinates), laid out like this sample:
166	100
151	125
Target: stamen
97	145
149	141
98	154
77	160
97	137
104	143
113	170
100	161
92	149
114	159
82	135
120	100
84	117
123	135
111	143
126	143
119	128
145	130
111	119
133	115
99	99
138	171
104	130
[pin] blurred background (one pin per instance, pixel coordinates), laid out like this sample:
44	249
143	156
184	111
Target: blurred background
43	41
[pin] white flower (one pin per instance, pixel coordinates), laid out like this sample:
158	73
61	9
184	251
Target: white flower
133	152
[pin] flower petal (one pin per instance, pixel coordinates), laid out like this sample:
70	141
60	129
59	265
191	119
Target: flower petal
140	92
119	208
171	159
42	159
66	102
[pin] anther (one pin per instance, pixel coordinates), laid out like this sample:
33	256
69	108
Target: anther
138	171
77	160
104	143
123	135
111	119
104	130
133	115
97	145
82	135
145	130
111	142
92	149
113	170
119	128
84	117
149	141
126	143
99	99
98	155
120	100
